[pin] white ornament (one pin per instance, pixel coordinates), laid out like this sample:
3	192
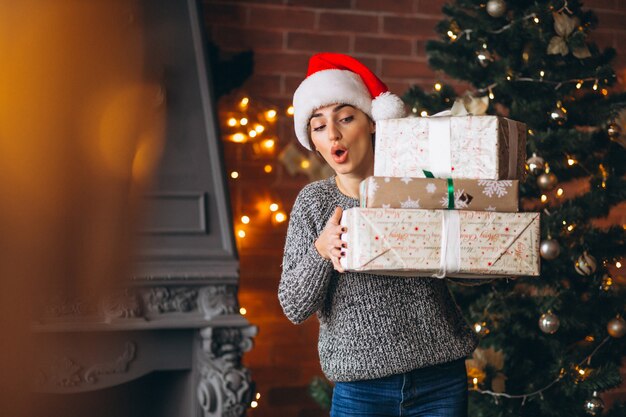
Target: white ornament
431	188
496	8
387	179
490	208
493	187
408	204
406	180
386	206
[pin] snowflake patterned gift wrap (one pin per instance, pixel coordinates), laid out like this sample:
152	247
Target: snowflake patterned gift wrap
477	147
440	243
437	193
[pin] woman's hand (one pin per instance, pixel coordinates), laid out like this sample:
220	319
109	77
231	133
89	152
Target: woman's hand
329	244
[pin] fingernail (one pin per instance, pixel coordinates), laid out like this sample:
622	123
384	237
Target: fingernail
344	245
343	254
344	230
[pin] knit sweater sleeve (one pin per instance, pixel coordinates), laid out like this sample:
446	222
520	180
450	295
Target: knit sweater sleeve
305	274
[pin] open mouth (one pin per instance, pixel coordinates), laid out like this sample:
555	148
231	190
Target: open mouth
339	153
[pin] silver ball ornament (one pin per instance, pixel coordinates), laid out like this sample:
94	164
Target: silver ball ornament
586	264
484	57
549	322
594	405
614	131
547	181
616	327
535	164
496	8
549	249
558	115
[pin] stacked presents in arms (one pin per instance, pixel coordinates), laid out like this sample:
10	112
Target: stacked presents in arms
443	200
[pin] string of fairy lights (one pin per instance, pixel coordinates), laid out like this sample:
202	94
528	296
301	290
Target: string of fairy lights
252	123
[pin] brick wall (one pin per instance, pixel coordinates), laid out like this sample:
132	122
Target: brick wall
387	35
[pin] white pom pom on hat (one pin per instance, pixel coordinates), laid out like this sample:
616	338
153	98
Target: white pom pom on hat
341	79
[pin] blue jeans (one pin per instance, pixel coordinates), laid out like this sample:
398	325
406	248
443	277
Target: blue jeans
435	391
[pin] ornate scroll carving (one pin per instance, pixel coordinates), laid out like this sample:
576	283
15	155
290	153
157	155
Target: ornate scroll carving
225	388
171	300
64	372
218	299
121	305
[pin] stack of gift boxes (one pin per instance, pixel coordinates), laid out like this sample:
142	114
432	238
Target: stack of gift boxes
443	201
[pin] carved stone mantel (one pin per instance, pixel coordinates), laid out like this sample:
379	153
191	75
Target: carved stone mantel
225	387
178	310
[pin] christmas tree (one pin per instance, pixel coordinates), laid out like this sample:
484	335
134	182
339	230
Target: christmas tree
549	345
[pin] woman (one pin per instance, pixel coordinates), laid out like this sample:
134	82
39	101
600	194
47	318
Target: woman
393	346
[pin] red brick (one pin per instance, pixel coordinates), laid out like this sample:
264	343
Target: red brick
263	85
399	6
411	26
398	87
404	68
602	38
347	22
611	20
620	43
431	6
369	61
281	18
255	1
230	37
281	63
600	4
318	43
321	4
382	46
224	13
292	82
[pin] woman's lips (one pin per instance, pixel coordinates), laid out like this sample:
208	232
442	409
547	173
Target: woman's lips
340	155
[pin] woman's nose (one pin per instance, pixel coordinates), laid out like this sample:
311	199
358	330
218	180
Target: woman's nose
333	132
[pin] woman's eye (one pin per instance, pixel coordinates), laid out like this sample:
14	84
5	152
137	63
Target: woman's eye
347	119
318	128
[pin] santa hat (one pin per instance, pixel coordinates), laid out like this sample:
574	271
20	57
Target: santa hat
341	79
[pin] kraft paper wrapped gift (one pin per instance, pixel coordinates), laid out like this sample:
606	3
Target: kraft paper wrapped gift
437	193
478	147
438	243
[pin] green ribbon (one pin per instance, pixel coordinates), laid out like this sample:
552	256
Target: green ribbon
429	174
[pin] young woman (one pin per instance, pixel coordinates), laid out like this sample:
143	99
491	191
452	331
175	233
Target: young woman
393	346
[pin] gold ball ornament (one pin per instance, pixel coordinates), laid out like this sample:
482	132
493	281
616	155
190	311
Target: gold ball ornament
614	131
616	327
586	264
606	283
549	322
547	181
496	8
558	115
594	405
549	249
535	164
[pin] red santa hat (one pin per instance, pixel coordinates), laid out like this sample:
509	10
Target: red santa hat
340	79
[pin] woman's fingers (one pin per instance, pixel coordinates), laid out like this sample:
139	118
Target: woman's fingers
336	217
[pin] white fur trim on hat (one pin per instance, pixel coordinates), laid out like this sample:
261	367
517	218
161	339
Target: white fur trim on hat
387	106
324	88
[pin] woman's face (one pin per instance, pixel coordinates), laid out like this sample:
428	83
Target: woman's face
343	136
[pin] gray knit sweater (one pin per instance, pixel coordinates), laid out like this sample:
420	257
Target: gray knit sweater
371	326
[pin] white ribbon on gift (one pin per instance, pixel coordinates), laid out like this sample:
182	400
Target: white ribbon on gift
450	251
439	141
